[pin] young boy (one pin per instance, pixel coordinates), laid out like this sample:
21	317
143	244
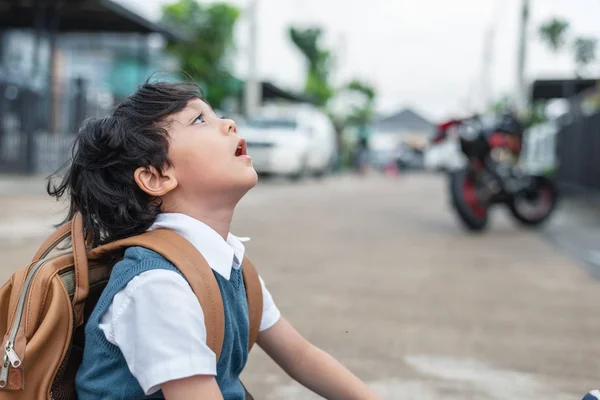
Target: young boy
163	159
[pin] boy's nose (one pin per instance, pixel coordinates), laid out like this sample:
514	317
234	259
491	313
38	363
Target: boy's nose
229	127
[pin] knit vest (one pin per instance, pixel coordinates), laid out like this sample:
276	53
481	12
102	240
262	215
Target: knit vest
104	373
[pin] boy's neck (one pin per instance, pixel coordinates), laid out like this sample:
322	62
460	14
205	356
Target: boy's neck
215	211
218	220
218	217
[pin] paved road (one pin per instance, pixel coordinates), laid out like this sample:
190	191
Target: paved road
379	273
575	229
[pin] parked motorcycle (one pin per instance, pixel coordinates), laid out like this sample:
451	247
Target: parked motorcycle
492	176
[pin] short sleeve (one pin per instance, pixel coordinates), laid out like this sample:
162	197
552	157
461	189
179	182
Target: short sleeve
158	324
271	313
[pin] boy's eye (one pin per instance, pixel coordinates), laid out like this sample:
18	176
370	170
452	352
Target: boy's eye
199	119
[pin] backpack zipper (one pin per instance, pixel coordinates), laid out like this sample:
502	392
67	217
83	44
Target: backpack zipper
4	372
11	358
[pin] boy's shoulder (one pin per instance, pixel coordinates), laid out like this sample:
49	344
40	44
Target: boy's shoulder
142	259
138	254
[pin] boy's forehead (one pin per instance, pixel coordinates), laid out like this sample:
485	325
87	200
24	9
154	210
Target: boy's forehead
196	105
193	108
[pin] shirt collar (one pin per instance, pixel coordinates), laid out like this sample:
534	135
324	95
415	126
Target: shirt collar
217	252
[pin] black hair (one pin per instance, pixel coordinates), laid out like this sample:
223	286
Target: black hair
99	178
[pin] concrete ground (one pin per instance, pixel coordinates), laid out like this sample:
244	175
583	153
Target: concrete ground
576	230
379	273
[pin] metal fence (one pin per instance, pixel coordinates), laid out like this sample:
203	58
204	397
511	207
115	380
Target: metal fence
35	132
578	154
48	153
569	145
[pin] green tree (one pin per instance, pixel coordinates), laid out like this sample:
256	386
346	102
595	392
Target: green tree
554	33
205	56
361	115
319	88
536	114
584	50
500	105
319	62
364	88
358	113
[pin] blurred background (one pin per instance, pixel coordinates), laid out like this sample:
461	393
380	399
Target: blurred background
363	119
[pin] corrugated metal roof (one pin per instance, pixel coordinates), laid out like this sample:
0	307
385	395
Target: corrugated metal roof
404	120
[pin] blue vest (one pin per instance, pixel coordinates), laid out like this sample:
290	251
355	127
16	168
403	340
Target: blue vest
104	374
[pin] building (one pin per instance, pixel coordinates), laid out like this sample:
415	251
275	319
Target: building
403	127
568	146
61	62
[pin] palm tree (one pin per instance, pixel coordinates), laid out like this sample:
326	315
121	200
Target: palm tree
554	33
319	63
318	87
362	115
585	52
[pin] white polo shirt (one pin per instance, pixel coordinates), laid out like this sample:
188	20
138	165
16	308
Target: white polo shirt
140	319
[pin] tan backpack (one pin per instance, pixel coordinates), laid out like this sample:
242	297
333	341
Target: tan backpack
44	307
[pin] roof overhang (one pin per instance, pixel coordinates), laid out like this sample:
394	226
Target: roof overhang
549	89
80	16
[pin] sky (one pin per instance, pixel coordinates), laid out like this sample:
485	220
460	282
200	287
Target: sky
423	54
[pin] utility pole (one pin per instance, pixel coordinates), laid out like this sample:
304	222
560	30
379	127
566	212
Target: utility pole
253	86
486	73
521	59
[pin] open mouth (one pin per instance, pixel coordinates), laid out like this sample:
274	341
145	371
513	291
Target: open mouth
241	148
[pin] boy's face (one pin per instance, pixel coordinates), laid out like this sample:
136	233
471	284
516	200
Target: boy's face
208	157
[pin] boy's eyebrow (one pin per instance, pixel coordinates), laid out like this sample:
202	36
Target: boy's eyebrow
196	114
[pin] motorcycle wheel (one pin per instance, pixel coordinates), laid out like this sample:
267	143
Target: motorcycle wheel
543	198
471	211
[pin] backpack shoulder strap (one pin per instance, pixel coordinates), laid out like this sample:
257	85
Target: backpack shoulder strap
255	299
194	267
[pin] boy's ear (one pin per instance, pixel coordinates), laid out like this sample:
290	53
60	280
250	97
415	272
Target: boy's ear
153	182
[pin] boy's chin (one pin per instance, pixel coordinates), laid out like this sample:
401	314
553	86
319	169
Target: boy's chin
248	179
